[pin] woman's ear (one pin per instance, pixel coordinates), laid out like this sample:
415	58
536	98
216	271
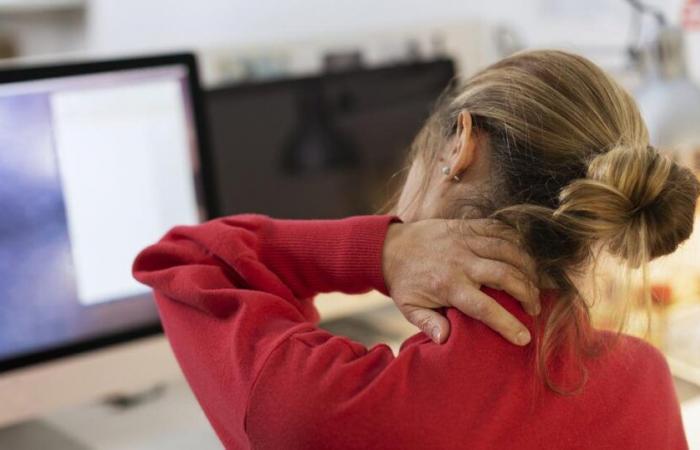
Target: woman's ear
462	154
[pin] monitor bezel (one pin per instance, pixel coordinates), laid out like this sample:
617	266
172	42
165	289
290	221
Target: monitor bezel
53	70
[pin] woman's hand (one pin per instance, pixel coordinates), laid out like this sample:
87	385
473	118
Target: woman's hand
436	263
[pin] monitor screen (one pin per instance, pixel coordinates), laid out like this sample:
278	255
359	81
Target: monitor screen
324	146
95	164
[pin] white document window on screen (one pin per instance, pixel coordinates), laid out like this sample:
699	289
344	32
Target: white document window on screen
124	158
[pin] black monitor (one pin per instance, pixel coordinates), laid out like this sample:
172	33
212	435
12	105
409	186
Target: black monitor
318	147
97	160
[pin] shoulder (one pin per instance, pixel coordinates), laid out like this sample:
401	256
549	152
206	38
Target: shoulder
634	352
635	369
637	374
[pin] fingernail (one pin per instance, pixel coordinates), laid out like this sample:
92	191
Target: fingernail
435	334
522	338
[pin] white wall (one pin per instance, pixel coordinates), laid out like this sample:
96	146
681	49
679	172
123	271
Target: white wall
135	24
597	28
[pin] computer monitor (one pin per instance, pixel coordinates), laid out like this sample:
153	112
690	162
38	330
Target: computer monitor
97	160
324	146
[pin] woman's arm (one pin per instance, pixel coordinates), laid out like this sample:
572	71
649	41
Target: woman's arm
233	291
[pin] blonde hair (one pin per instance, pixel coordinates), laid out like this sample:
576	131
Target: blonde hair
572	171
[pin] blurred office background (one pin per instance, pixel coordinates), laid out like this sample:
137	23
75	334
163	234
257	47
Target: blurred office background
359	76
237	37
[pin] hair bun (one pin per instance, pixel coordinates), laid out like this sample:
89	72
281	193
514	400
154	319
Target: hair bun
639	202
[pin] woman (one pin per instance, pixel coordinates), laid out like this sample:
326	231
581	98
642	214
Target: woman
556	154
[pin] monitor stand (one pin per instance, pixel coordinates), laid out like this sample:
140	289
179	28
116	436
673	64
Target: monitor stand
37	434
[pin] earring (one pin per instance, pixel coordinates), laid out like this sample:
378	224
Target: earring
446	171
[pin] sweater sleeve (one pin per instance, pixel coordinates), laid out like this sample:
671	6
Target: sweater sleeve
231	291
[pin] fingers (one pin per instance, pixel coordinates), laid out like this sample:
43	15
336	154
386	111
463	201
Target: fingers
495	242
504	277
431	322
493	228
506	251
480	306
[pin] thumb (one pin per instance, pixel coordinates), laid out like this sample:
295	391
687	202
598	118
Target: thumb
431	322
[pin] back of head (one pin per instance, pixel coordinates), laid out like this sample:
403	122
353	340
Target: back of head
572	167
638	203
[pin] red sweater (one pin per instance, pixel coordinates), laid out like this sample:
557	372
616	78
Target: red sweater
235	296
